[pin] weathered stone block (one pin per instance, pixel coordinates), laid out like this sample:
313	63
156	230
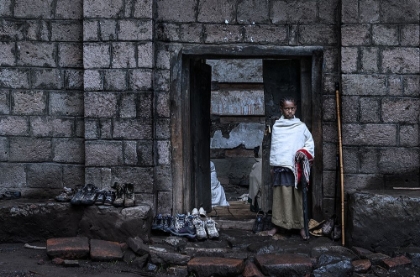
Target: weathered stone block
73	79
406	11
69	9
108	29
90	30
29	102
36	54
96	55
105	126
145	153
14	126
7	53
115	80
281	264
168	32
51	127
331	62
66	31
317	34
44	176
369	134
401	60
350	11
116	224
353	84
103	8
266	34
163	104
101	250
30	149
140	79
164	202
369	60
145	55
141	177
188	32
12	175
398	160
73	175
293	12
130	152
327	11
68	248
137	30
216	11
161	80
328	108
176	10
204	266
162	128
355	35
91	129
137	245
34	9
68	150
92	80
385	34
411	85
66	103
400	110
4	102
123	55
4	149
27	221
14	78
375	219
410	35
370	110
164	152
350	109
163	178
143	9
369	11
395	83
6	8
70	54
145	106
48	78
253	11
100	104
409	135
101	177
131	129
222	33
128	105
369	160
361	182
103	153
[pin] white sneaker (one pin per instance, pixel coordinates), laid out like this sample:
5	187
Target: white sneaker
194	211
202	212
199	229
211	229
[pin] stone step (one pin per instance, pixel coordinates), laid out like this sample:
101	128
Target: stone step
216	266
68	248
284	264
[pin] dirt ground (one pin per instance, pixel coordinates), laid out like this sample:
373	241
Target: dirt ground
18	261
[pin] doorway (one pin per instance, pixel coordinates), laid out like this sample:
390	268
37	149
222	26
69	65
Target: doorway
284	73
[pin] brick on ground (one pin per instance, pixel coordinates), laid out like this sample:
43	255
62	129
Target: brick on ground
205	266
361	266
251	270
68	248
284	264
377	258
396	262
102	250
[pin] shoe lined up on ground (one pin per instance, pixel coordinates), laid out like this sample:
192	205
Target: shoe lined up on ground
192	226
10	194
122	195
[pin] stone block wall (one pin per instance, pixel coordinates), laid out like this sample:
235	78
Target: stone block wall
41	96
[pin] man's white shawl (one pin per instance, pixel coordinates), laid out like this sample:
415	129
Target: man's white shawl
288	136
218	197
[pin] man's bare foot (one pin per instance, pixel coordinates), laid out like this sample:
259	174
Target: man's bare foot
272	232
303	234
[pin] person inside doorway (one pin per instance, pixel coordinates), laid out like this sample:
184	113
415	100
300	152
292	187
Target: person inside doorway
218	197
289	137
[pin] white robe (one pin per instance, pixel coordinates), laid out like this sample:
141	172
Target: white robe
218	197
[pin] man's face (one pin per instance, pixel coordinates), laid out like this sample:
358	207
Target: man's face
288	109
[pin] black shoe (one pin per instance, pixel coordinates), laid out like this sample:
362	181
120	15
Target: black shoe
100	197
267	225
119	195
77	197
11	194
109	198
258	223
129	200
89	194
168	223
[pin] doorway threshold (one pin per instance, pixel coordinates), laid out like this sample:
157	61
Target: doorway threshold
235	216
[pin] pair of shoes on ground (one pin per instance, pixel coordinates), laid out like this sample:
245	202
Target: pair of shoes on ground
124	195
200	212
262	222
105	197
10	194
85	195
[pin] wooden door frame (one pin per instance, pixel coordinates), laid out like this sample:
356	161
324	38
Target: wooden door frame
180	110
